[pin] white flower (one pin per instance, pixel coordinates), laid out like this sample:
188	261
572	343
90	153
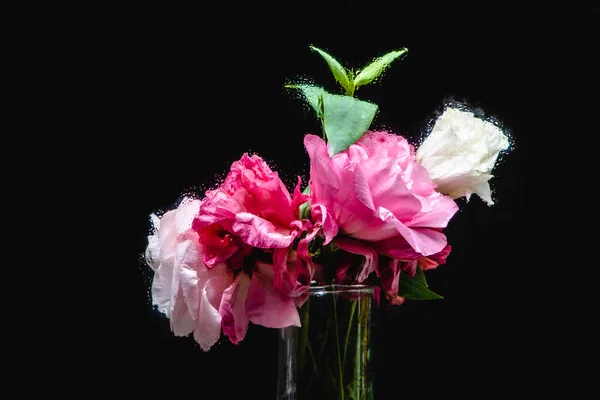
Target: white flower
460	153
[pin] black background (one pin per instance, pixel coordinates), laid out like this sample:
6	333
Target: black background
122	110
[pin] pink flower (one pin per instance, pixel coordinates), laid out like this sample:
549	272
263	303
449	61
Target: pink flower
249	223
252	208
183	288
251	298
202	300
375	191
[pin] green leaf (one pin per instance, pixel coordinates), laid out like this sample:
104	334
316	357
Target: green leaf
338	71
415	288
376	68
345	120
313	96
420	277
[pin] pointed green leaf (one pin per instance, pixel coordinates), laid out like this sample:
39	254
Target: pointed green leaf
376	68
345	120
313	96
415	288
338	71
420	277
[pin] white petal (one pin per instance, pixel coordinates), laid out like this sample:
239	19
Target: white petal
208	326
182	323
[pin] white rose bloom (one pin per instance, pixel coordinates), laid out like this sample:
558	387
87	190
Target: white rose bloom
460	153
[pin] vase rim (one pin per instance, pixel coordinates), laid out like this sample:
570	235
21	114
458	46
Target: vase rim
334	288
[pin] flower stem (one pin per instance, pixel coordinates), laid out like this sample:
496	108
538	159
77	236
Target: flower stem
337	339
348	330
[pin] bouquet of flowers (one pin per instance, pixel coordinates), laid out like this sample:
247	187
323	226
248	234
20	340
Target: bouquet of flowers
373	211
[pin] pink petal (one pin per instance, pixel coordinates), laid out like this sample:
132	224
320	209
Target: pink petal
217	245
356	247
342	268
279	268
233	309
396	247
378	183
434	260
324	182
266	306
298	199
389	273
442	210
258	232
220	207
269	195
325	220
329	184
423	241
410	267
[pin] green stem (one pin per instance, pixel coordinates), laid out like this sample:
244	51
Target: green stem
337	339
348	331
312	356
303	342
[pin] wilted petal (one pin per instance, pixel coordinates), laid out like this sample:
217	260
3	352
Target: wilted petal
434	260
389	273
356	247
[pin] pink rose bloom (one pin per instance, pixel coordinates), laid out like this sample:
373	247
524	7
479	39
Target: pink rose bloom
377	192
249	223
184	288
252	208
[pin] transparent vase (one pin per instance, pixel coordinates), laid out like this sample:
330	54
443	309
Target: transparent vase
329	355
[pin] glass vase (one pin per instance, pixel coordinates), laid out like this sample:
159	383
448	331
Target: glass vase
329	355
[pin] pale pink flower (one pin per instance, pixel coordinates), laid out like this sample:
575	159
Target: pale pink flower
183	287
375	191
